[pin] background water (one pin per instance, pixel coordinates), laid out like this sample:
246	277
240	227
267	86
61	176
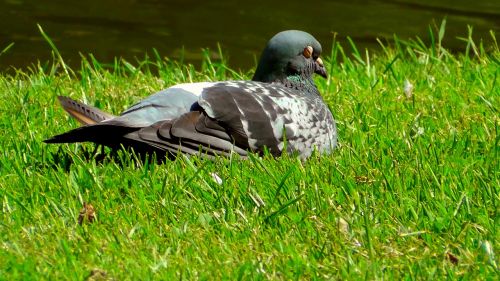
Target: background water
130	28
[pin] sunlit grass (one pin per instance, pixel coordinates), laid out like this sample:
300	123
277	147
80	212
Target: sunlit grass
412	191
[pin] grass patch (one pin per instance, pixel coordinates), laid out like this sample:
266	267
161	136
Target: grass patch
412	191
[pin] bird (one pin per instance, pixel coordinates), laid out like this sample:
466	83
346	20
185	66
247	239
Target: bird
279	111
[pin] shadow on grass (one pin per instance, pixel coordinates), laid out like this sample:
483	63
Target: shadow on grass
64	159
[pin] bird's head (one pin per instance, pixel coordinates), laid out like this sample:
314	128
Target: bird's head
290	53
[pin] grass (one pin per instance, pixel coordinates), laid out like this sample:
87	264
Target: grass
412	192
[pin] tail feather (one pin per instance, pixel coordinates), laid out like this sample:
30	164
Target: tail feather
85	114
107	134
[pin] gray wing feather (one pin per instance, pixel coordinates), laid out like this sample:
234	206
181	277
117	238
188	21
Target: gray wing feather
244	115
165	105
181	134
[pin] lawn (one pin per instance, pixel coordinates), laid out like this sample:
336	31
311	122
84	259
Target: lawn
412	192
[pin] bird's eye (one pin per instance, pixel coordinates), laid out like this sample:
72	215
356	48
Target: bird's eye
308	51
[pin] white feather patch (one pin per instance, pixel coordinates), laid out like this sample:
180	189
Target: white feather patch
194	88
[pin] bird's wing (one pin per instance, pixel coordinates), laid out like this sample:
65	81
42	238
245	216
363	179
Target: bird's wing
233	117
183	134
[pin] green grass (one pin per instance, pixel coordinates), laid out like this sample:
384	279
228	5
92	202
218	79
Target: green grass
412	192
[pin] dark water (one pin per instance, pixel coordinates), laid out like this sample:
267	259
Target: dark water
130	28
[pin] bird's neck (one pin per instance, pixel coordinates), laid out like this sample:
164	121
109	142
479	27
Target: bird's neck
299	82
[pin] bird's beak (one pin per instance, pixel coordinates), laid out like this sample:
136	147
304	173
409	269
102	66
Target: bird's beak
320	68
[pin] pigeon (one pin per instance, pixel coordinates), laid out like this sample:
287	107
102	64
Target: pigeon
279	111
